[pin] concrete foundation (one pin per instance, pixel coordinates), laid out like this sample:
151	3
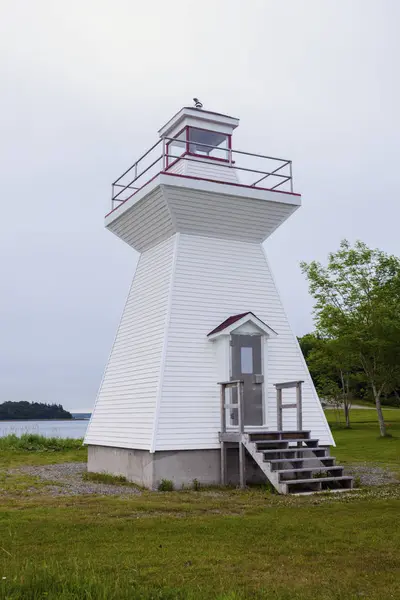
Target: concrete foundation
179	466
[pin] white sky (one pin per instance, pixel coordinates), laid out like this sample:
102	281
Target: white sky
84	87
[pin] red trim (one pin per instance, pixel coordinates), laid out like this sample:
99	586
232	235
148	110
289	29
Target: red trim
230	321
230	155
234	319
252	187
187	138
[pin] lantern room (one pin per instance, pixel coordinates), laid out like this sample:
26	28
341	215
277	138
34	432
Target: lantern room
182	184
197	136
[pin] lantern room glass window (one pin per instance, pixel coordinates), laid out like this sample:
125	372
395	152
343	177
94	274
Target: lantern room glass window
209	144
198	142
176	148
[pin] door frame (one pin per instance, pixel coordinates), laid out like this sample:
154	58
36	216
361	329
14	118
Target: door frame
220	337
264	392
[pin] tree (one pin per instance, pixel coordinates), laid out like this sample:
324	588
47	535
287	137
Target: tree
357	304
336	378
308	343
332	375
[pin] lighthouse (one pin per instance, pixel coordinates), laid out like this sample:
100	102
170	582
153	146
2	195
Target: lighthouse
204	359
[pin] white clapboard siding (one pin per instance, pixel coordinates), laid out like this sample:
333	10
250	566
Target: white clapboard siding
225	216
172	204
177	167
208	169
216	278
146	223
204	168
124	411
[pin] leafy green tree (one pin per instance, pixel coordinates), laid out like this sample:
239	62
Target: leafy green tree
332	375
357	303
336	378
308	343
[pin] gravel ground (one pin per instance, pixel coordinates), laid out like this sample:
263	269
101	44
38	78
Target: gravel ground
368	474
66	480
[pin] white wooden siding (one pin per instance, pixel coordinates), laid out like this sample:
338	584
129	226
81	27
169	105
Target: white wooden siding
223	216
171	204
196	166
125	408
216	278
178	167
146	223
210	170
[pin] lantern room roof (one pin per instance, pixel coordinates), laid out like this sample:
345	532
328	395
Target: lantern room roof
198	117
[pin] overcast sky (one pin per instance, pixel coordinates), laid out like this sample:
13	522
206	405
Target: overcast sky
85	85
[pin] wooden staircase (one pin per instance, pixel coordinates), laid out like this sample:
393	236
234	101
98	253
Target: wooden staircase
292	461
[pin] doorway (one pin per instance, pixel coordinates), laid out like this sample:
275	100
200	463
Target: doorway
246	365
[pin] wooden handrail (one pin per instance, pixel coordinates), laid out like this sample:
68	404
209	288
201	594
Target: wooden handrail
238	384
298	404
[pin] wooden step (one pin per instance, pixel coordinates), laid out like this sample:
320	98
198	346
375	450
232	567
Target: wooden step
284	474
291	463
304	435
269	443
259	436
322	479
318	483
326	460
281	453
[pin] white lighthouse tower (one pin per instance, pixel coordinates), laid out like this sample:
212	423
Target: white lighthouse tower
203	310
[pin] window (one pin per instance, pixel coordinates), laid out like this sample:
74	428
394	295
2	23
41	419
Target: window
246	359
176	148
210	144
200	142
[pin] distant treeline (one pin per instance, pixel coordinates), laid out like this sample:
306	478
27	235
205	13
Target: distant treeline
9	411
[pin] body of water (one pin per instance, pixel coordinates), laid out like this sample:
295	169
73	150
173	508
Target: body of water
72	428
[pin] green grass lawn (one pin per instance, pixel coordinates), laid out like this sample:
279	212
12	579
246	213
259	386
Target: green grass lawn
206	545
362	442
32	449
200	546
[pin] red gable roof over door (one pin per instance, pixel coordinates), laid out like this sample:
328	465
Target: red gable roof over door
229	321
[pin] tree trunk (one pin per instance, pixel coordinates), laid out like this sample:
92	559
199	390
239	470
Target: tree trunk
382	426
347	413
345	396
